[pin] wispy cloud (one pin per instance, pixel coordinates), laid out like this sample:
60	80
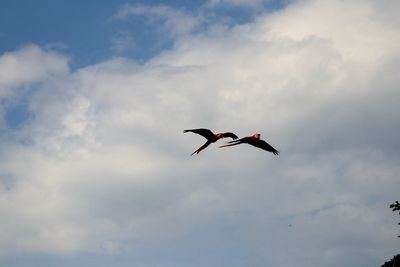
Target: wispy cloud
122	41
175	21
240	3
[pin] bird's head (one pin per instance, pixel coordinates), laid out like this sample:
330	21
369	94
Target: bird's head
257	135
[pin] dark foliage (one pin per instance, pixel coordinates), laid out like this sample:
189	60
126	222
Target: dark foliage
395	206
395	262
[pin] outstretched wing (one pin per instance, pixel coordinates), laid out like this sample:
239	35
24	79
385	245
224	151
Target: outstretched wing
228	134
206	133
262	144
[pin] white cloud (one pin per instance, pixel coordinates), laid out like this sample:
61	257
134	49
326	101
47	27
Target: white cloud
28	65
361	41
108	166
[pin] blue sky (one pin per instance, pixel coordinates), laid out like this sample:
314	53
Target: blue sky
81	29
84	30
95	169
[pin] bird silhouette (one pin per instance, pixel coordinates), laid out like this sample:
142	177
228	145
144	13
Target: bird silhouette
253	140
210	136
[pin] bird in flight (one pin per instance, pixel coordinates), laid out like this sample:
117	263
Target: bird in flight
253	140
210	136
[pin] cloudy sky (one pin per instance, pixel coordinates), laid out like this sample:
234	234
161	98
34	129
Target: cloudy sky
95	169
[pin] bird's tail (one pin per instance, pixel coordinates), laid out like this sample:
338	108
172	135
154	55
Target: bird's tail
231	143
185	131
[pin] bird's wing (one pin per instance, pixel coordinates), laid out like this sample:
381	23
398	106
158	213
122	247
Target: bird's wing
206	133
263	145
228	134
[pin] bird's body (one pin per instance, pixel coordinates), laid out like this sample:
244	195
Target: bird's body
253	140
210	136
